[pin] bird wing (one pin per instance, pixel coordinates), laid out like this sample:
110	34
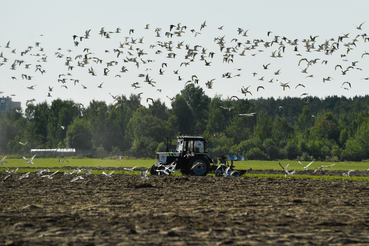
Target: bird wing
301	164
309	164
281	165
25	159
54	173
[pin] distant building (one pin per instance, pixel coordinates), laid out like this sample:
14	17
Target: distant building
7	105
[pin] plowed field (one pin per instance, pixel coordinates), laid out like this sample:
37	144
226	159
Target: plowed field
182	210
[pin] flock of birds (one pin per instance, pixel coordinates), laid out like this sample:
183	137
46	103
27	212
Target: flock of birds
222	170
46	173
178	58
289	173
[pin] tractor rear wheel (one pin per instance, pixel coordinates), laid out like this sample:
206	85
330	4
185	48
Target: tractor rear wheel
199	167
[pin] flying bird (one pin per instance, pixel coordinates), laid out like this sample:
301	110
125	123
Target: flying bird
29	161
2	161
108	174
287	173
50	176
285	85
305	167
77	178
248	115
144	174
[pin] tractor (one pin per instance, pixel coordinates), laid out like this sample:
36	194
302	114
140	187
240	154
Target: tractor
189	156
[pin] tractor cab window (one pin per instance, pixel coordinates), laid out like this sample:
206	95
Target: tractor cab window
180	146
199	147
190	148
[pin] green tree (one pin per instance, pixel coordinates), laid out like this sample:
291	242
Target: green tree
36	130
79	135
263	128
326	127
198	102
304	121
61	115
357	148
184	116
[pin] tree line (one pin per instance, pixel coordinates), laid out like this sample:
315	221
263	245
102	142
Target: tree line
334	128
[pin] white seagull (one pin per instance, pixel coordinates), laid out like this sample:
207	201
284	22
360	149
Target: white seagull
2	161
108	175
24	176
348	173
306	167
130	168
248	115
50	176
11	172
29	161
77	178
144	174
286	171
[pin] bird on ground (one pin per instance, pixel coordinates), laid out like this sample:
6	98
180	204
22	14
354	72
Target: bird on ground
30	161
305	167
348	173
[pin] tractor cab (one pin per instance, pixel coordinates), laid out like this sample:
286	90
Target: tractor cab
190	156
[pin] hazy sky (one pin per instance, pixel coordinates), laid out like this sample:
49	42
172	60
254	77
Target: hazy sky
292	24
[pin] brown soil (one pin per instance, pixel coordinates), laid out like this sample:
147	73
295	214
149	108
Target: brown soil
182	210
